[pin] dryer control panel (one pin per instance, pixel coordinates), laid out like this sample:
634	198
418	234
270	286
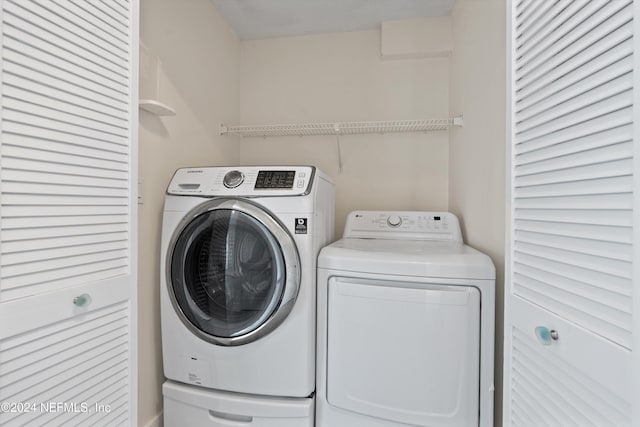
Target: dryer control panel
244	181
405	225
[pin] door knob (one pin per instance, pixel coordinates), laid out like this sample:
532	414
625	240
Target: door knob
545	335
82	300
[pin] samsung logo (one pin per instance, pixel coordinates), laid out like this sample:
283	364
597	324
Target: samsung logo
195	171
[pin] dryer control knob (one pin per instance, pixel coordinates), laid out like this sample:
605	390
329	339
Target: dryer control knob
232	179
394	221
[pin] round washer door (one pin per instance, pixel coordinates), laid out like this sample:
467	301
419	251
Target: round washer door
233	272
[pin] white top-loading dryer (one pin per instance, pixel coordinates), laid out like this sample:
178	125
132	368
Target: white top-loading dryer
405	325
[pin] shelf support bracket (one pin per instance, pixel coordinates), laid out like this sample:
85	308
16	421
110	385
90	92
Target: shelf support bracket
336	128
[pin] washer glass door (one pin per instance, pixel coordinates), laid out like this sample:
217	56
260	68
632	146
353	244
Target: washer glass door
228	273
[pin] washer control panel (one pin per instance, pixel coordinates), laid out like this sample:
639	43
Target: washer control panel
245	181
412	225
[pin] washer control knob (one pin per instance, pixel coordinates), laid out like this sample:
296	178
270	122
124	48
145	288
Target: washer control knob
232	179
394	221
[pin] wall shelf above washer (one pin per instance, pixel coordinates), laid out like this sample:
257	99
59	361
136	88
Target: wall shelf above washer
341	128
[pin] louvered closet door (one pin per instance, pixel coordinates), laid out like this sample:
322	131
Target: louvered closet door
570	258
68	160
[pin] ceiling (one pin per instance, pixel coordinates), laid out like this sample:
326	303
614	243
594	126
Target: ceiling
261	19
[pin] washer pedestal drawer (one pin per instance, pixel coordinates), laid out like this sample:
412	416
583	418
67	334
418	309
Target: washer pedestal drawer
186	405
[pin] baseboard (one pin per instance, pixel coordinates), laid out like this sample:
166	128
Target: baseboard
155	421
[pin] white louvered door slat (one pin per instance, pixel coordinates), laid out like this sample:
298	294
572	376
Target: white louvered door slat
68	162
571	252
100	69
18	71
76	18
93	48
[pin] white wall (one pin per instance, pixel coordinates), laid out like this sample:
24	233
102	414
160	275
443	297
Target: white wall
199	56
477	151
341	77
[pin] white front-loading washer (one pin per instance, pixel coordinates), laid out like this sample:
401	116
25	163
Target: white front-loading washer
238	268
405	325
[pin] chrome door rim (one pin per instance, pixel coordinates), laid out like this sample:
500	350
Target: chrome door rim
291	265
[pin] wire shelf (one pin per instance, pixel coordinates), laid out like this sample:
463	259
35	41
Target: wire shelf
343	128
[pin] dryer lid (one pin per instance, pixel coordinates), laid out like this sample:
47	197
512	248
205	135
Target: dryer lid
406	243
419	258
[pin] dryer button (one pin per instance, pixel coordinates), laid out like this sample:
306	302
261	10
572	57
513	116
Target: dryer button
394	221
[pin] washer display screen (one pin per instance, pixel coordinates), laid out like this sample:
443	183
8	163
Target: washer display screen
275	179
